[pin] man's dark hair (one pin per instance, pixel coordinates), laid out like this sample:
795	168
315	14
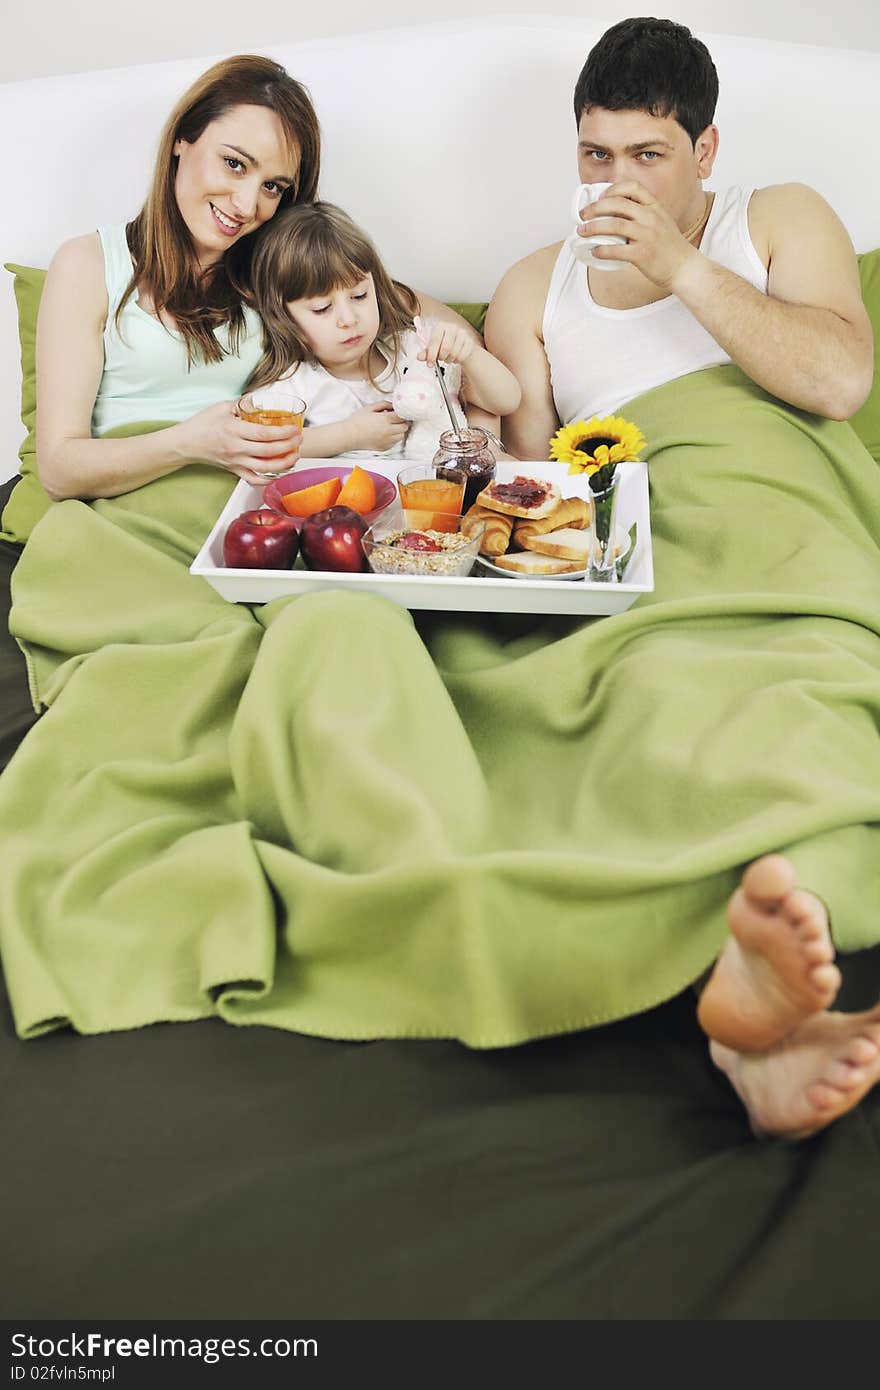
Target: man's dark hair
650	65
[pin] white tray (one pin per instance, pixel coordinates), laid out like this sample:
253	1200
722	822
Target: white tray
478	592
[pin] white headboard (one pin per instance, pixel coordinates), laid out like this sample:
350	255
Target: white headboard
453	144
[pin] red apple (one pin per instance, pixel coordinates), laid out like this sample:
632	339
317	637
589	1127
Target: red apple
331	540
261	539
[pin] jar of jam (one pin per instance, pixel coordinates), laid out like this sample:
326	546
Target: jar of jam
467	453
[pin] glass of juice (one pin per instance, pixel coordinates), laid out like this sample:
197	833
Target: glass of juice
431	496
272	405
277	404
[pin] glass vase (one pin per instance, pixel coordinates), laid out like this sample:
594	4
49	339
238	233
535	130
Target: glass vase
602	567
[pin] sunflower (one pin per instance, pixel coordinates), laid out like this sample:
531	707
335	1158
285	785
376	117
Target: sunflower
588	445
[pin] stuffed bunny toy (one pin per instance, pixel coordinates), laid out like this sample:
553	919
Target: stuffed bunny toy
418	397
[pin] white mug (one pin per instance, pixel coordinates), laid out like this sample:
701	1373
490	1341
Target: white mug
582	247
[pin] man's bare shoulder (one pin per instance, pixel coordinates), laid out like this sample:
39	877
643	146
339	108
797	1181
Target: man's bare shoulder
784	195
531	275
782	206
522	292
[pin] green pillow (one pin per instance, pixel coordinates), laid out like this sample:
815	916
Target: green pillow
28	501
474	313
866	422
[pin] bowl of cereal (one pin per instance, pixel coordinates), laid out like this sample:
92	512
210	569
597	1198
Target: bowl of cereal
392	546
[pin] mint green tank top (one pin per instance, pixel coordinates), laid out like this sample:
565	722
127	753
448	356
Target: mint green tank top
146	374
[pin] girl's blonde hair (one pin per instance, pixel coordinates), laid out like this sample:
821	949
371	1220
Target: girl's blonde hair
160	243
304	253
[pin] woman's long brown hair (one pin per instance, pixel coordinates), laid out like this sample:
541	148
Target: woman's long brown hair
161	247
304	253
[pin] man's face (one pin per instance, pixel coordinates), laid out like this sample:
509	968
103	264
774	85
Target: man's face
655	151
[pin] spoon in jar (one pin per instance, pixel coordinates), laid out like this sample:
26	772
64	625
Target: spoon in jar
455	425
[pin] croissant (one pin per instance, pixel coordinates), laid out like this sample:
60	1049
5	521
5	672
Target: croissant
496	536
571	511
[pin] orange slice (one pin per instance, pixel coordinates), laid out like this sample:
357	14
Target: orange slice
312	499
358	491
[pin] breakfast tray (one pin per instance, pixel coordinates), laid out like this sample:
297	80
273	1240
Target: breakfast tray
478	592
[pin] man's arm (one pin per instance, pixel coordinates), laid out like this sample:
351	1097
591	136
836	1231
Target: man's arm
809	339
513	335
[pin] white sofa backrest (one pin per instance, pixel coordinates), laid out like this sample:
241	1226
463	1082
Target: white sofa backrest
453	145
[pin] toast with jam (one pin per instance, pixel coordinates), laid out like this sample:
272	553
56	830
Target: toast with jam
521	496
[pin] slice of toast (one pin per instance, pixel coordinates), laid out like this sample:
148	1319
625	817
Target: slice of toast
528	562
521	496
568	543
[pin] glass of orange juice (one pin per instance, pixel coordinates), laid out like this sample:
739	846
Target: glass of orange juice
431	496
277	404
272	405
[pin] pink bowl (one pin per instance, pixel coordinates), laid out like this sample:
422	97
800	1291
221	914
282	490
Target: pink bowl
386	492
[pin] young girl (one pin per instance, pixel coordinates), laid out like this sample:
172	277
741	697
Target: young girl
341	329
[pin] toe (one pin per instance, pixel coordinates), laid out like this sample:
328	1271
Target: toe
861	1051
843	1076
817	952
826	979
807	912
768	879
822	1096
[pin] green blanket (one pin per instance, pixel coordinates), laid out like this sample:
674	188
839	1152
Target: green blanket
326	816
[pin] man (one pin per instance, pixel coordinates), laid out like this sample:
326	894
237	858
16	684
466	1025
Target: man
768	281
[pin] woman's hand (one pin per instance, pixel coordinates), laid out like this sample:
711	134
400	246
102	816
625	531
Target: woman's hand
256	453
376	427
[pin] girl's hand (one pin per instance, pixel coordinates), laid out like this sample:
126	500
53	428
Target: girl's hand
256	453
376	427
449	342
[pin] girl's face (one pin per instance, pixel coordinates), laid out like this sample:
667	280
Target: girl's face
230	180
340	327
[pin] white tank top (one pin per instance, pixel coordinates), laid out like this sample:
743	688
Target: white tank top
599	358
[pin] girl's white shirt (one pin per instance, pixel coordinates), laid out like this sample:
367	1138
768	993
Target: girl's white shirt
329	400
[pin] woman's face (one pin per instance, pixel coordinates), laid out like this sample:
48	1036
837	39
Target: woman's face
231	179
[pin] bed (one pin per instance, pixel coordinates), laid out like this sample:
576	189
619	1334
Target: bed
193	1169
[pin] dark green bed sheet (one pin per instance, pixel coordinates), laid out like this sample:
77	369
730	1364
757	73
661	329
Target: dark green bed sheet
202	1171
198	1170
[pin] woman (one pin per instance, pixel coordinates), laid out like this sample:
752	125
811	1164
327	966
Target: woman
148	321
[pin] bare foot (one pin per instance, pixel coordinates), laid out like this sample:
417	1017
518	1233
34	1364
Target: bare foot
811	1078
776	969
